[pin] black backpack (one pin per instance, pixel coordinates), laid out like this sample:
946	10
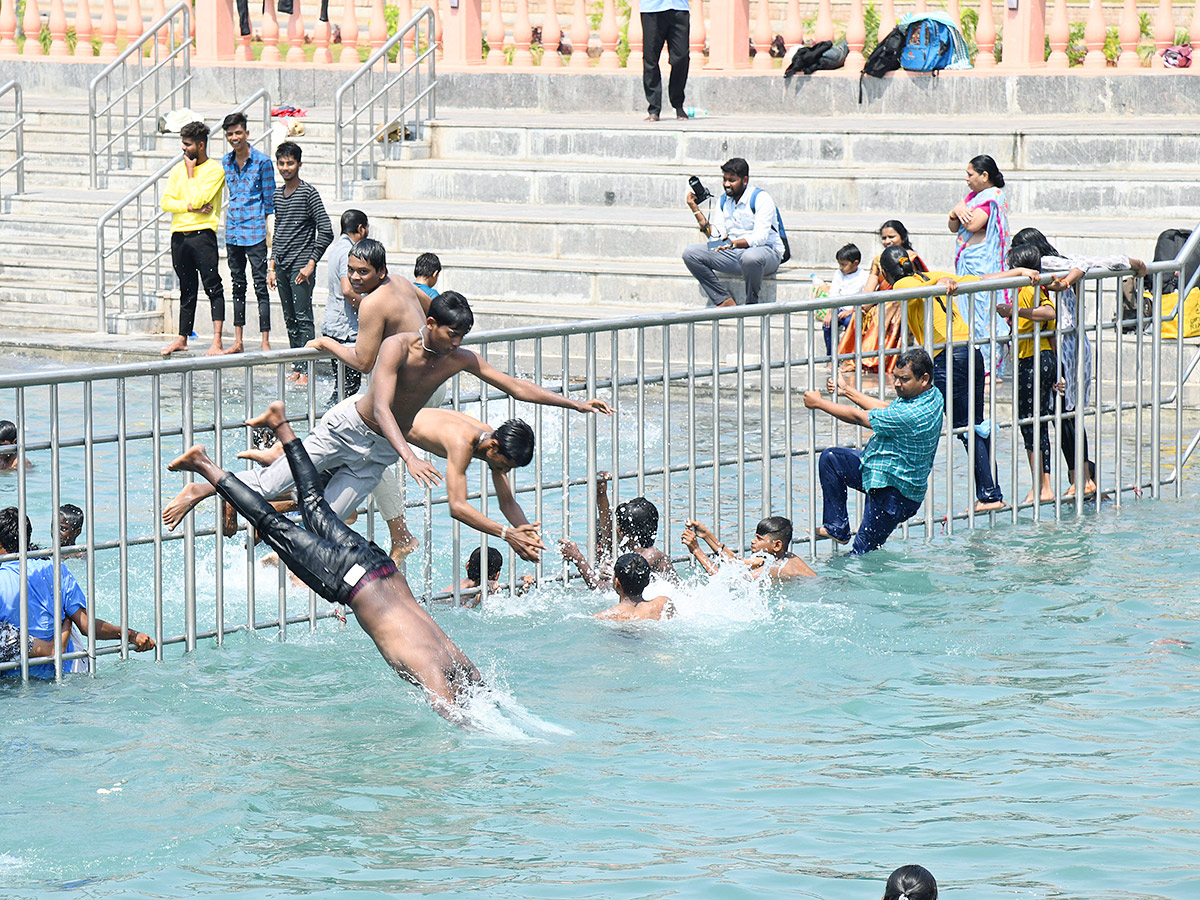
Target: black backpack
807	59
884	58
1168	245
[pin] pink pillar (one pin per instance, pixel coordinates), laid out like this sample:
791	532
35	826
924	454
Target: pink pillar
953	11
134	26
462	34
285	38
378	30
349	55
729	35
321	37
83	31
698	36
985	37
108	31
763	35
1060	36
887	18
1129	30
634	35
58	29
215	31
295	54
856	37
581	34
270	35
793	26
406	13
522	37
552	37
437	37
1164	33
495	36
8	27
824	27
1194	32
1025	35
610	35
920	6
32	26
1093	36
157	11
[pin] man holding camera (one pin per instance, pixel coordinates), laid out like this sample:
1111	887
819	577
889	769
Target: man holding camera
746	236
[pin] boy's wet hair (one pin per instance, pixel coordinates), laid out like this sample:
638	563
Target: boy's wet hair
427	264
777	528
495	562
450	308
372	252
71	515
638	521
633	572
10	534
515	440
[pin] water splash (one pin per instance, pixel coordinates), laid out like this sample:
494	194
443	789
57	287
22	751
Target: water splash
492	709
729	596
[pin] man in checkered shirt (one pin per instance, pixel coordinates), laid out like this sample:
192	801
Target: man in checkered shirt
893	469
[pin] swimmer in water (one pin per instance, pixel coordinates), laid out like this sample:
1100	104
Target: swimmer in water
631	575
772	538
344	567
637	529
911	883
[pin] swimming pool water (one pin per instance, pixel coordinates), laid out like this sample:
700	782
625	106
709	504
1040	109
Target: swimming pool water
993	705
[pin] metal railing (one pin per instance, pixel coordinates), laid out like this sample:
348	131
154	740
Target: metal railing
367	131
133	239
710	424
17	129
130	93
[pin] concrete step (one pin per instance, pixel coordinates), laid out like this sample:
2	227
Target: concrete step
884	190
1130	144
26	314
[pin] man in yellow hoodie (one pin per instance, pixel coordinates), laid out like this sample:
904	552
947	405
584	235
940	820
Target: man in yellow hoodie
193	197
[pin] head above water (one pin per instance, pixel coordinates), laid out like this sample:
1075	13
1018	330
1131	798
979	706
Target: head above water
10	533
631	574
913	373
70	524
897	262
495	562
8	437
1034	238
773	535
911	883
637	523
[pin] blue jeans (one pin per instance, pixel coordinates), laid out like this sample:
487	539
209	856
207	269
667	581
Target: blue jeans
986	489
841	468
843	322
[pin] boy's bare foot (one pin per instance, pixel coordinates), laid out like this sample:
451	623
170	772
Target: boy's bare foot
1089	490
177	345
727	302
1047	496
236	348
266	344
301	380
402	551
192	460
293	377
990	506
822	533
264	457
216	348
228	519
272	418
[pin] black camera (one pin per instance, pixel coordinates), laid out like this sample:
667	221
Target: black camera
698	189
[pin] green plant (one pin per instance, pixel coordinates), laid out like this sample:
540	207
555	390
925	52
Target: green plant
871	23
1182	36
1076	48
1146	29
1112	45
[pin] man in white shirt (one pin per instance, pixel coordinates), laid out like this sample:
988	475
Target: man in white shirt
746	221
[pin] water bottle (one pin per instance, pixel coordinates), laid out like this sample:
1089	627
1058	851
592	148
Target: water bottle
694	112
815	280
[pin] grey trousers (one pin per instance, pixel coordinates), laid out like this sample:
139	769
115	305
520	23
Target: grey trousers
752	264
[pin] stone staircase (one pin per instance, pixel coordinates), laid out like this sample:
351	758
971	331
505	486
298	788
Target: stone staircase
541	217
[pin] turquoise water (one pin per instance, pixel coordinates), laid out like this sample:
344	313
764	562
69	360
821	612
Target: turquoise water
999	706
993	705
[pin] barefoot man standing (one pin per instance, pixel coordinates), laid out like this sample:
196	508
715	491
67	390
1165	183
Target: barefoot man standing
362	435
344	567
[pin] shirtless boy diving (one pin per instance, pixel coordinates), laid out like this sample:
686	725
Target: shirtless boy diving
362	435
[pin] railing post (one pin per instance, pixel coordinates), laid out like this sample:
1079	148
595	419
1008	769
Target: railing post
985	37
1164	33
697	37
349	55
1060	36
1025	35
462	34
108	32
610	35
1130	30
728	35
215	32
8	27
763	34
495	36
552	36
32	26
856	37
83	31
636	62
1093	36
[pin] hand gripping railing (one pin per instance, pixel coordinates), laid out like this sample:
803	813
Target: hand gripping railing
369	126
133	237
132	91
16	128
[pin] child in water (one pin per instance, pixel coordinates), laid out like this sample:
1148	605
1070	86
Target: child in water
631	575
772	538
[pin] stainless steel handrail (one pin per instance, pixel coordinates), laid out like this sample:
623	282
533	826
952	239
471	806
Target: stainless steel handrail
148	257
18	128
378	63
177	46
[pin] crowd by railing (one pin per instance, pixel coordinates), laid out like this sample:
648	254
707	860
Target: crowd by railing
546	36
709	424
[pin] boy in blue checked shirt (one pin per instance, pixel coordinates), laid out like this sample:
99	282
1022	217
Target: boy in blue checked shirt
250	180
893	469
